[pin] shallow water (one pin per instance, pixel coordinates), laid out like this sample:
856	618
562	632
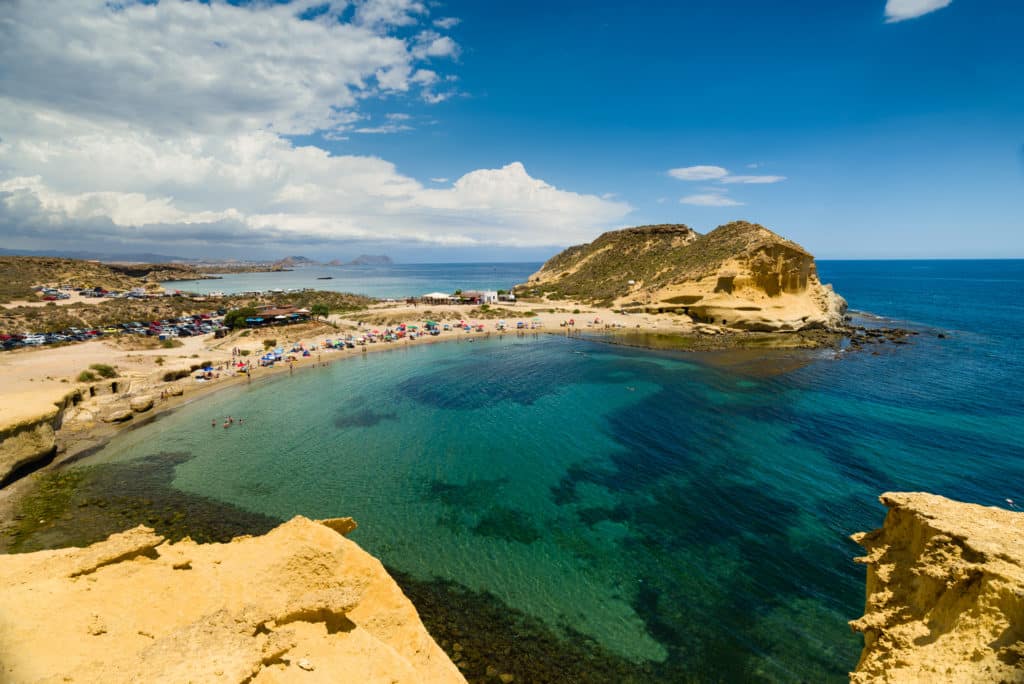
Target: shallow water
692	520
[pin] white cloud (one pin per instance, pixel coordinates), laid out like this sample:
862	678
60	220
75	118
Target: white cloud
145	124
900	10
720	174
430	44
757	180
698	173
376	13
447	23
186	66
711	199
438	180
384	128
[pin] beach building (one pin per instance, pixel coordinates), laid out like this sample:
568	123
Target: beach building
480	296
268	314
439	298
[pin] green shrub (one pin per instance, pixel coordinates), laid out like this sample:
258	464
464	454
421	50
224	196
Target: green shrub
173	375
104	370
86	376
244	333
236	318
244	352
575	311
159	360
269	344
171	343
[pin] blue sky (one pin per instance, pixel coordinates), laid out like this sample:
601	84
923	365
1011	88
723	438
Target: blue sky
883	138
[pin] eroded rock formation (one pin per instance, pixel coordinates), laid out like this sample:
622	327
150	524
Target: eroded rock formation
301	603
740	275
945	593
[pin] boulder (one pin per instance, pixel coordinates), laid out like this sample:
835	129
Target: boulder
175	390
118	416
142	403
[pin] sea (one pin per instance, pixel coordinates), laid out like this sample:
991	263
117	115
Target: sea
385	281
566	510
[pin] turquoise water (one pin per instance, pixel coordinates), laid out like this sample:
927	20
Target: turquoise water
390	281
691	519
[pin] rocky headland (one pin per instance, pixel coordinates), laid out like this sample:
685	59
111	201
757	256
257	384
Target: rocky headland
945	593
740	276
300	603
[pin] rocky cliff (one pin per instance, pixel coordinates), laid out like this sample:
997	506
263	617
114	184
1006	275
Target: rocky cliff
301	603
740	275
945	593
27	443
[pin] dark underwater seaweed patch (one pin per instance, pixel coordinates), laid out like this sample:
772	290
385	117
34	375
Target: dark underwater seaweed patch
510	524
97	501
363	417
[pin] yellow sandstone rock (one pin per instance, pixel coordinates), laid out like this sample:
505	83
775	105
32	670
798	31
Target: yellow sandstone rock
945	593
300	603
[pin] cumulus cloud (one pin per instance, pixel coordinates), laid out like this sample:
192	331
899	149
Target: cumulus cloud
710	199
901	10
172	122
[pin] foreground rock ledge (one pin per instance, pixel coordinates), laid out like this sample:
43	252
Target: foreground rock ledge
300	603
945	593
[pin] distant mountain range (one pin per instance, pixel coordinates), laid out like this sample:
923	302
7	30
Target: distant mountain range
361	260
141	257
149	258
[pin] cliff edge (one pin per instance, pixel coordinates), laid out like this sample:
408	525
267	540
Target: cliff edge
740	275
300	603
945	593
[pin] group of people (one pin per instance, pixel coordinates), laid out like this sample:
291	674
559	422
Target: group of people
228	422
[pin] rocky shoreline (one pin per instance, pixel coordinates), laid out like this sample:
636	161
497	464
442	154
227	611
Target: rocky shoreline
945	593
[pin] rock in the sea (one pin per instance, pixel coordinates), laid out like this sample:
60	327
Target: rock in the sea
142	403
118	416
945	593
241	611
